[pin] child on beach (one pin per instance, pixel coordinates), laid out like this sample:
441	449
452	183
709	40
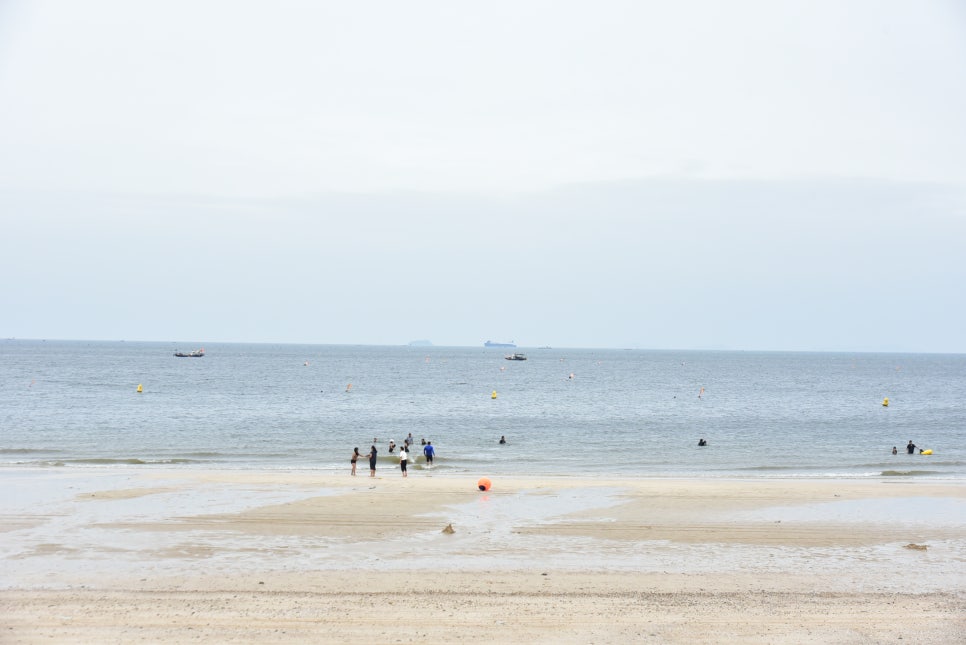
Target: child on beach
353	459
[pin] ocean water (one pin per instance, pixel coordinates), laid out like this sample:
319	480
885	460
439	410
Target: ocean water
74	404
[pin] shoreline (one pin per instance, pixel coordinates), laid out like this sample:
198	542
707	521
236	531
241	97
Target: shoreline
124	554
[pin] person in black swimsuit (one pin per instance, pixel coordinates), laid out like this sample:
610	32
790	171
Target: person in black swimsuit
353	459
372	461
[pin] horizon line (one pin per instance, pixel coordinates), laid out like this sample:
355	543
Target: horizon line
431	345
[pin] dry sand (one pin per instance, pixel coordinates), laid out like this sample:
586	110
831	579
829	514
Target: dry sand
188	556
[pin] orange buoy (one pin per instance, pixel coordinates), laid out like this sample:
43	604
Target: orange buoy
484	483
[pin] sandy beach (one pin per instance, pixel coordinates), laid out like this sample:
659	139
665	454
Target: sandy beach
243	556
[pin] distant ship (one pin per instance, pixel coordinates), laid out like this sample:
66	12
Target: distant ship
490	343
198	353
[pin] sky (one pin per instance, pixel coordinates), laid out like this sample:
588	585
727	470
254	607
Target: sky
748	175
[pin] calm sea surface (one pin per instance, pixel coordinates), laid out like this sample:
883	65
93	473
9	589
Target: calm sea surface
564	411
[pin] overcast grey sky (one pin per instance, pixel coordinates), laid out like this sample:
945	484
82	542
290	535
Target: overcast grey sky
698	174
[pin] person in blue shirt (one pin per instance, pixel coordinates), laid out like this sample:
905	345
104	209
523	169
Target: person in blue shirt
430	452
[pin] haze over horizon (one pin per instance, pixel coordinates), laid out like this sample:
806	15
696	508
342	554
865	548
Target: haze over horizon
749	175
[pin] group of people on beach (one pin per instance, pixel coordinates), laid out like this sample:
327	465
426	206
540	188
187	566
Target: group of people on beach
429	452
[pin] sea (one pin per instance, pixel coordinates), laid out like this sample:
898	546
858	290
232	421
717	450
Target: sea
563	412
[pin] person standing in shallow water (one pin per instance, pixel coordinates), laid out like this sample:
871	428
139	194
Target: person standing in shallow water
372	461
354	459
403	460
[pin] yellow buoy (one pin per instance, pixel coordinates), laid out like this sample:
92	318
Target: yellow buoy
493	396
926	452
885	402
140	389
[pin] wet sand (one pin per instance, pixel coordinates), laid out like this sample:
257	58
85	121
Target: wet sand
241	556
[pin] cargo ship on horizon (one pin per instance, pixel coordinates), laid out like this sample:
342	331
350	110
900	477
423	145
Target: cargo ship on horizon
490	343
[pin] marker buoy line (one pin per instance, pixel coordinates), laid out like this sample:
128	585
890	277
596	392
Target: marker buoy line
484	484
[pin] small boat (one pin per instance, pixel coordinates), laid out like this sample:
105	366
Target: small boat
516	357
198	353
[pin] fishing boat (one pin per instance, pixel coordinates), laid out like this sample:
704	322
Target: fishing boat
490	343
198	353
516	357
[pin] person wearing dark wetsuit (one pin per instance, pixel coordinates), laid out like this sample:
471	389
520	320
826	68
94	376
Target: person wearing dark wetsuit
911	448
372	461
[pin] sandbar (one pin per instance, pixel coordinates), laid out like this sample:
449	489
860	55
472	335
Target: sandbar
170	556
